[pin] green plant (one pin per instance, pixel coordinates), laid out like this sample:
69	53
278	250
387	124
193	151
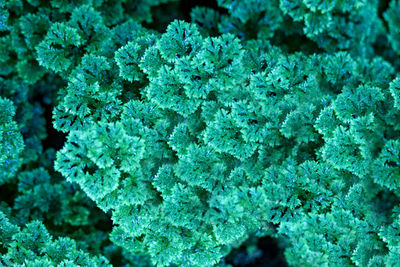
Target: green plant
185	145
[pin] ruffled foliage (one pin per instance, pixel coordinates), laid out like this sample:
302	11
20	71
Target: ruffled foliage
183	145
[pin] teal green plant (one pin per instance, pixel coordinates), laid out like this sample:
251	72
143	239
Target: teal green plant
194	138
183	146
34	246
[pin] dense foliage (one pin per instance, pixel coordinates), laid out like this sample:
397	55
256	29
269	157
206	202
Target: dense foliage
162	133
